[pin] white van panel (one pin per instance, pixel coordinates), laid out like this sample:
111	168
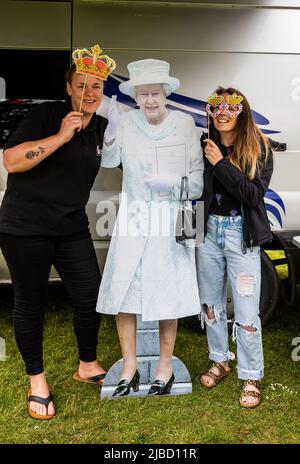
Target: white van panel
38	25
153	28
291	217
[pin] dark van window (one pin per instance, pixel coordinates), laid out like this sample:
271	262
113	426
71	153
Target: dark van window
30	76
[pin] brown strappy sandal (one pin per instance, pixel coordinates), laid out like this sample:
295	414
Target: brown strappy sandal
215	377
252	393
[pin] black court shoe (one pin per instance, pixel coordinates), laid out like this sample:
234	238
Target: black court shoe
124	386
159	387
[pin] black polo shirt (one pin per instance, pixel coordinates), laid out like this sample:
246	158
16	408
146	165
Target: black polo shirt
50	198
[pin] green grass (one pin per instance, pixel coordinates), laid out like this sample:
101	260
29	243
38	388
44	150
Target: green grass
205	416
282	269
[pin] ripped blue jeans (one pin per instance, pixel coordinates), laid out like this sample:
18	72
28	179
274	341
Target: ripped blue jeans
221	256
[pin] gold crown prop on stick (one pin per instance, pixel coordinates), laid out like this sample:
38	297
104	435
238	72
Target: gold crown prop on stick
92	64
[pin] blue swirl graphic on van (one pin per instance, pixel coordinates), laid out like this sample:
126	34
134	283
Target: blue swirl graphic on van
277	209
180	102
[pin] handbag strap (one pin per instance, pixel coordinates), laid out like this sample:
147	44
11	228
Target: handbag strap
184	187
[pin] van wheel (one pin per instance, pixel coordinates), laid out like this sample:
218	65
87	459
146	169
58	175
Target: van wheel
269	288
268	297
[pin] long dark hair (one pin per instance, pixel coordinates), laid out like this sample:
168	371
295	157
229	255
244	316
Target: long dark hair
249	141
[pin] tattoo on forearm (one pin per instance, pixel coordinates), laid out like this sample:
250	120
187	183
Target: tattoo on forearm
33	154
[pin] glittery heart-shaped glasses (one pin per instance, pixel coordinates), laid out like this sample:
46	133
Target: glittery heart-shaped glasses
232	108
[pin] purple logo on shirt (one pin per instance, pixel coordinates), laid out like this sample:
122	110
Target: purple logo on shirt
218	197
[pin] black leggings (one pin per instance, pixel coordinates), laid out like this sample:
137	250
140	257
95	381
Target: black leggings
29	260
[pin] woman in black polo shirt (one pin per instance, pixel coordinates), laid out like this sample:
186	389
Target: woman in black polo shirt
52	159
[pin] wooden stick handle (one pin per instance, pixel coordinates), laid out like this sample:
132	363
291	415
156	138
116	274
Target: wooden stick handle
207	125
83	89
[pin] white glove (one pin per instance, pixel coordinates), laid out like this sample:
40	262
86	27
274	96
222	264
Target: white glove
160	184
114	117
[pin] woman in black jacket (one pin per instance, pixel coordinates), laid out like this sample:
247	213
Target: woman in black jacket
238	169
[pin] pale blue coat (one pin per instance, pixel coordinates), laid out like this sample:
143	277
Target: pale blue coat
144	274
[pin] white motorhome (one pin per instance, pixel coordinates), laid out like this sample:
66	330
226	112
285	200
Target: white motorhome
253	45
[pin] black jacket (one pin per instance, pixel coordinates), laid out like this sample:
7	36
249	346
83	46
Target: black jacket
256	227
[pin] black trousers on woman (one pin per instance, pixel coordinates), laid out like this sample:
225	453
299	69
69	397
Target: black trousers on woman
29	259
